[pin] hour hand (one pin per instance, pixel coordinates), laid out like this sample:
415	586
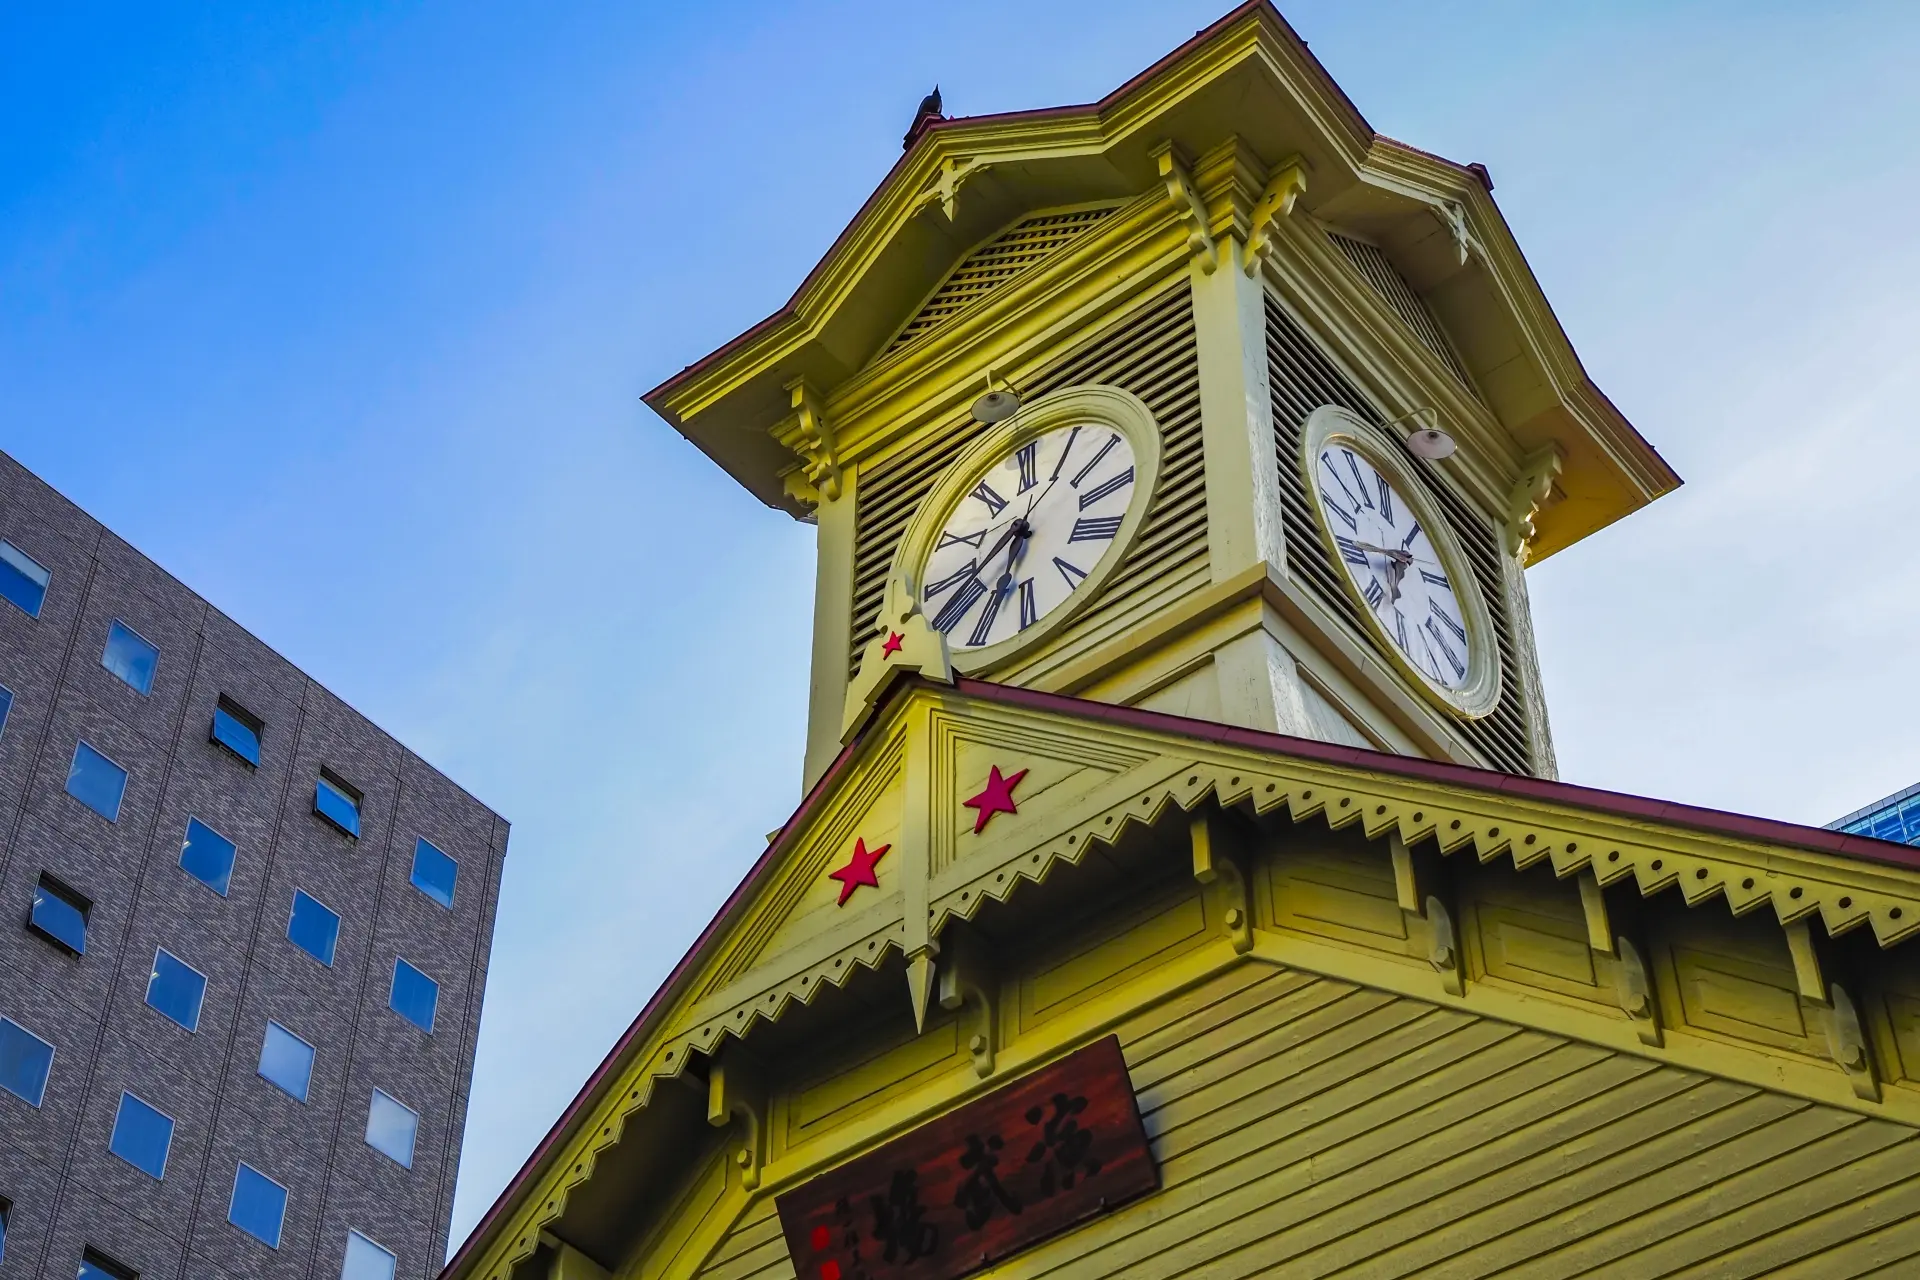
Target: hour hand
1397	555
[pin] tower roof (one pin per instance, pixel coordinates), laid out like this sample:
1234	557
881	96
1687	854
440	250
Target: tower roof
1250	77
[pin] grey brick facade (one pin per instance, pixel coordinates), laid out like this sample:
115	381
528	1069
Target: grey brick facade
68	1192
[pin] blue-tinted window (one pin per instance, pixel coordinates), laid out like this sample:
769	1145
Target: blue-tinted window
338	803
141	1136
434	872
365	1260
259	1205
96	782
176	988
207	856
131	656
414	996
237	729
23	580
1899	821
95	1265
313	927
60	914
25	1060
6	1211
286	1060
391	1128
6	705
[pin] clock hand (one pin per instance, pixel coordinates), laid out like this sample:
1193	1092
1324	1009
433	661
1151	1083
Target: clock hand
1401	558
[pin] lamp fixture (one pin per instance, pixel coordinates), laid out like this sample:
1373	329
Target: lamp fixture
1429	441
996	406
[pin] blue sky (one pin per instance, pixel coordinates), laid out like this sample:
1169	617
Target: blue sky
342	311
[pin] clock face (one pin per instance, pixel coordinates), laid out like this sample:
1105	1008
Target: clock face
1038	523
1393	564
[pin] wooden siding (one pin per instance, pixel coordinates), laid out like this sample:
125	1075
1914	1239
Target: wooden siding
1310	1127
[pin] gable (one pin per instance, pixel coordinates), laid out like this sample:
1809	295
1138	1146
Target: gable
1153	857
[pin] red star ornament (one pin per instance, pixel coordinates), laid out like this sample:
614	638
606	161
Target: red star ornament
892	646
997	798
859	869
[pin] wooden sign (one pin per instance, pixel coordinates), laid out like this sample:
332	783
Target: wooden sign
1001	1173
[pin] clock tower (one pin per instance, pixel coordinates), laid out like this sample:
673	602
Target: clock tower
1229	333
1181	887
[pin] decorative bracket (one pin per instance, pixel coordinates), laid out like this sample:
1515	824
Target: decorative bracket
1443	952
1187	206
906	644
1848	1044
1634	989
967	981
1806	963
1286	186
1216	865
945	187
735	1091
1454	218
1593	904
809	434
1528	496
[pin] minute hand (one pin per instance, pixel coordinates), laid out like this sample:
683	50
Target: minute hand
1391	553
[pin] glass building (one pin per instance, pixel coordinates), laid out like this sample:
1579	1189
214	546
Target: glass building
1895	818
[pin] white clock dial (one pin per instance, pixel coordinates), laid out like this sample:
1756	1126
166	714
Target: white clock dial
1393	564
1036	525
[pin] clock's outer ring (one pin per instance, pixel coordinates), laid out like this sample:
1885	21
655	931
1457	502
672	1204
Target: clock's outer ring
1107	406
1331	424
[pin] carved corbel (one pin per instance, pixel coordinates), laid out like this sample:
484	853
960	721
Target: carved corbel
568	1262
968	985
1633	987
1454	218
1286	186
1443	948
906	643
1217	865
1806	963
944	190
1187	206
1847	1041
1528	496
810	435
736	1091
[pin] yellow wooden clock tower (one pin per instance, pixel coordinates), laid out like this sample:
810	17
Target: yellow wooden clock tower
1176	461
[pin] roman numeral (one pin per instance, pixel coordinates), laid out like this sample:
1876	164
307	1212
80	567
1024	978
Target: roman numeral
960	539
1350	551
1106	488
1326	500
1386	497
1094	528
1411	535
987	615
1073	573
1436	579
1438	612
954	579
1353	465
995	503
1374	593
958	607
1105	449
1433	664
1065	449
1352	501
1459	668
1400	629
1029	608
1029	461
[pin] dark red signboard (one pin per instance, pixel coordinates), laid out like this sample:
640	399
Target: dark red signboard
1007	1170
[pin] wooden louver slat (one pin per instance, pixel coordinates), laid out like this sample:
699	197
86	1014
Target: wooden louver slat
1303	379
994	264
1392	287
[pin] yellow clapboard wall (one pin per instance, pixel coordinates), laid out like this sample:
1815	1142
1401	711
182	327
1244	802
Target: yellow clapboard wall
1307	1127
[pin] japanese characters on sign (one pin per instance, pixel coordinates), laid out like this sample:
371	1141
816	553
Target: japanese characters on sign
1001	1173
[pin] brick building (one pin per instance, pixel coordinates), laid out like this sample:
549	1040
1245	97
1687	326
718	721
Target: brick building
243	941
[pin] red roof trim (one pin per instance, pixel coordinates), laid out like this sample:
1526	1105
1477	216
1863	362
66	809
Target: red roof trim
1621	804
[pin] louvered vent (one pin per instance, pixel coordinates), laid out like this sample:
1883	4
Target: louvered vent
1153	356
1302	380
1401	299
994	264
